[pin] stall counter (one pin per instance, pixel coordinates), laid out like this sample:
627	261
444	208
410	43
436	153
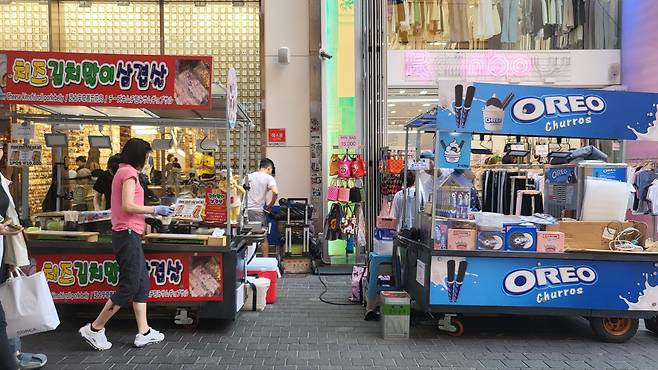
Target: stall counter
207	280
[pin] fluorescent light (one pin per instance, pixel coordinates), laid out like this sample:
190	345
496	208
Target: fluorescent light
391	105
393	111
427	105
414	100
424	92
403	91
392	123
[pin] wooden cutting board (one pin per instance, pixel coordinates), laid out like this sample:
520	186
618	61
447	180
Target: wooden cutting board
76	235
204	239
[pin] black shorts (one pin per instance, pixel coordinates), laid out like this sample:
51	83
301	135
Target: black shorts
134	280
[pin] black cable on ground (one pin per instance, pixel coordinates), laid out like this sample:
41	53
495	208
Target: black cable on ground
326	289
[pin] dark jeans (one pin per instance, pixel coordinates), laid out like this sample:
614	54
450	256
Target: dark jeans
134	280
7	359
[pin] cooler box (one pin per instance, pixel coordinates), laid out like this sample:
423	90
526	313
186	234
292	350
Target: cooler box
266	268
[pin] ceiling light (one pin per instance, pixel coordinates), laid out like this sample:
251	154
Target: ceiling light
420	110
85	3
413	100
391	105
403	91
427	105
393	111
392	123
424	92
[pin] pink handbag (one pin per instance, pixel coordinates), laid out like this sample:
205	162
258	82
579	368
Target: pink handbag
344	193
344	168
332	192
385	220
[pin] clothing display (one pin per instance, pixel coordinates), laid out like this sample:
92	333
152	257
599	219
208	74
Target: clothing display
500	189
529	202
642	181
527	24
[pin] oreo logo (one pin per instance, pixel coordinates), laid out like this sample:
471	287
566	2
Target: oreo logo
528	110
523	281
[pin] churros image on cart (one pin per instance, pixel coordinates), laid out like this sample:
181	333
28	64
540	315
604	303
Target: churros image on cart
461	272
450	279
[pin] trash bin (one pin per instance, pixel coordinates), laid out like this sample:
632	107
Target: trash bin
395	313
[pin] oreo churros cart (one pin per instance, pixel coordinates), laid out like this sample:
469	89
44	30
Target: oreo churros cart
588	262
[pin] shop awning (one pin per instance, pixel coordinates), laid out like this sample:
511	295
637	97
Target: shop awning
424	121
214	118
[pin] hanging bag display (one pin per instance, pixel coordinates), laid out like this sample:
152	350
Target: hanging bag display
358	166
355	194
344	192
333	165
344	170
332	225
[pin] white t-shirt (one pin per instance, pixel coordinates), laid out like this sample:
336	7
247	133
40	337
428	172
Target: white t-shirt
426	183
260	184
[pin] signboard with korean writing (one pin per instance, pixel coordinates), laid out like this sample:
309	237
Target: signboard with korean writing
189	209
24	154
22	132
348	141
160	81
215	206
93	278
276	136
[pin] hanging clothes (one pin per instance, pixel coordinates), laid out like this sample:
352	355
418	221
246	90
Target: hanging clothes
458	20
510	25
568	21
483	24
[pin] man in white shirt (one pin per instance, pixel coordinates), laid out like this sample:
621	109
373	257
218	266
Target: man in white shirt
406	216
261	183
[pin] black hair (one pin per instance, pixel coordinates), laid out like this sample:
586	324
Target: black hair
170	156
411	178
81	158
266	162
134	153
113	163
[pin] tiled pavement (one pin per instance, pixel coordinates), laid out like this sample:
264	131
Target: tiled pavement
300	332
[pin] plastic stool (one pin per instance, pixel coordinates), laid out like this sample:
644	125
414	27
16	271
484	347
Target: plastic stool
374	288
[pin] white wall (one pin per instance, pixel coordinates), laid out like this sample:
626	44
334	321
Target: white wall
286	23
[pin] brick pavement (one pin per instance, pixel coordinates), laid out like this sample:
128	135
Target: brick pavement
299	332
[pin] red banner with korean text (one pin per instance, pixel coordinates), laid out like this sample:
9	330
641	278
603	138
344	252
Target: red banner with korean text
138	81
93	278
215	210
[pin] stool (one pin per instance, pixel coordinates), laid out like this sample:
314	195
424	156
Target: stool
374	288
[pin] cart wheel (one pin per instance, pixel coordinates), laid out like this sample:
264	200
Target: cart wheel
652	324
195	321
459	328
614	329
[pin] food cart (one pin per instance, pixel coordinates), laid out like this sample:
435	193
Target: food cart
610	287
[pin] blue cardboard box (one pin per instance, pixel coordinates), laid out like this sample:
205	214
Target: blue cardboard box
520	237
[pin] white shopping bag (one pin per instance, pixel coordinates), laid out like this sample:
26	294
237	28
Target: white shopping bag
28	305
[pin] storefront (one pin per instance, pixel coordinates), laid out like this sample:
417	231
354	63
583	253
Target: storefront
545	239
197	257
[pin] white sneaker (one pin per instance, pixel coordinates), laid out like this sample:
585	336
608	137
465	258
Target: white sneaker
96	339
152	337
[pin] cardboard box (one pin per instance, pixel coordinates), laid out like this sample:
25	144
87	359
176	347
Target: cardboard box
491	241
521	238
582	235
550	242
461	239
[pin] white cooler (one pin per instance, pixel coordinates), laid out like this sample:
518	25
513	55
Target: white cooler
256	294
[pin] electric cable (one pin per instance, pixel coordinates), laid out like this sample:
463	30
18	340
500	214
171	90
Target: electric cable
326	289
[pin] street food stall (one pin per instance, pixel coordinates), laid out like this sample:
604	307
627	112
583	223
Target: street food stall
197	257
574	253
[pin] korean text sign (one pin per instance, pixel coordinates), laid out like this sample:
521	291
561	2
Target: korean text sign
543	283
88	278
157	81
556	112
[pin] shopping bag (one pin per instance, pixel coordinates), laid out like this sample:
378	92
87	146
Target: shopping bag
333	165
344	193
358	166
28	305
332	192
396	164
344	168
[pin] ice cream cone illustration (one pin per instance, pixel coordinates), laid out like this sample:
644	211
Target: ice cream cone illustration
450	280
461	272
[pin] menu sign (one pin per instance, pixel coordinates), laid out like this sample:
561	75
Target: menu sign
159	81
24	154
189	209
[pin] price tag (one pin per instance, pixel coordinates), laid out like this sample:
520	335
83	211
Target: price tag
541	150
22	132
420	165
24	154
517	147
347	141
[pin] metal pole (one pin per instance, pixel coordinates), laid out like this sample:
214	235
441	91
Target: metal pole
228	184
417	184
405	191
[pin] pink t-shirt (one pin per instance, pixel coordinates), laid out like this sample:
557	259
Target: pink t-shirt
121	220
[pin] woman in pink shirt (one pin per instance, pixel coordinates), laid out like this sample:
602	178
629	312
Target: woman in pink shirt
128	212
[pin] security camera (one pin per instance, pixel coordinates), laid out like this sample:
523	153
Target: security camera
324	55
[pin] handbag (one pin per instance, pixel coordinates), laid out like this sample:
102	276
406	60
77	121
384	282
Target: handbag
344	170
333	165
358	166
385	220
396	164
332	191
344	193
28	304
355	194
332	225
